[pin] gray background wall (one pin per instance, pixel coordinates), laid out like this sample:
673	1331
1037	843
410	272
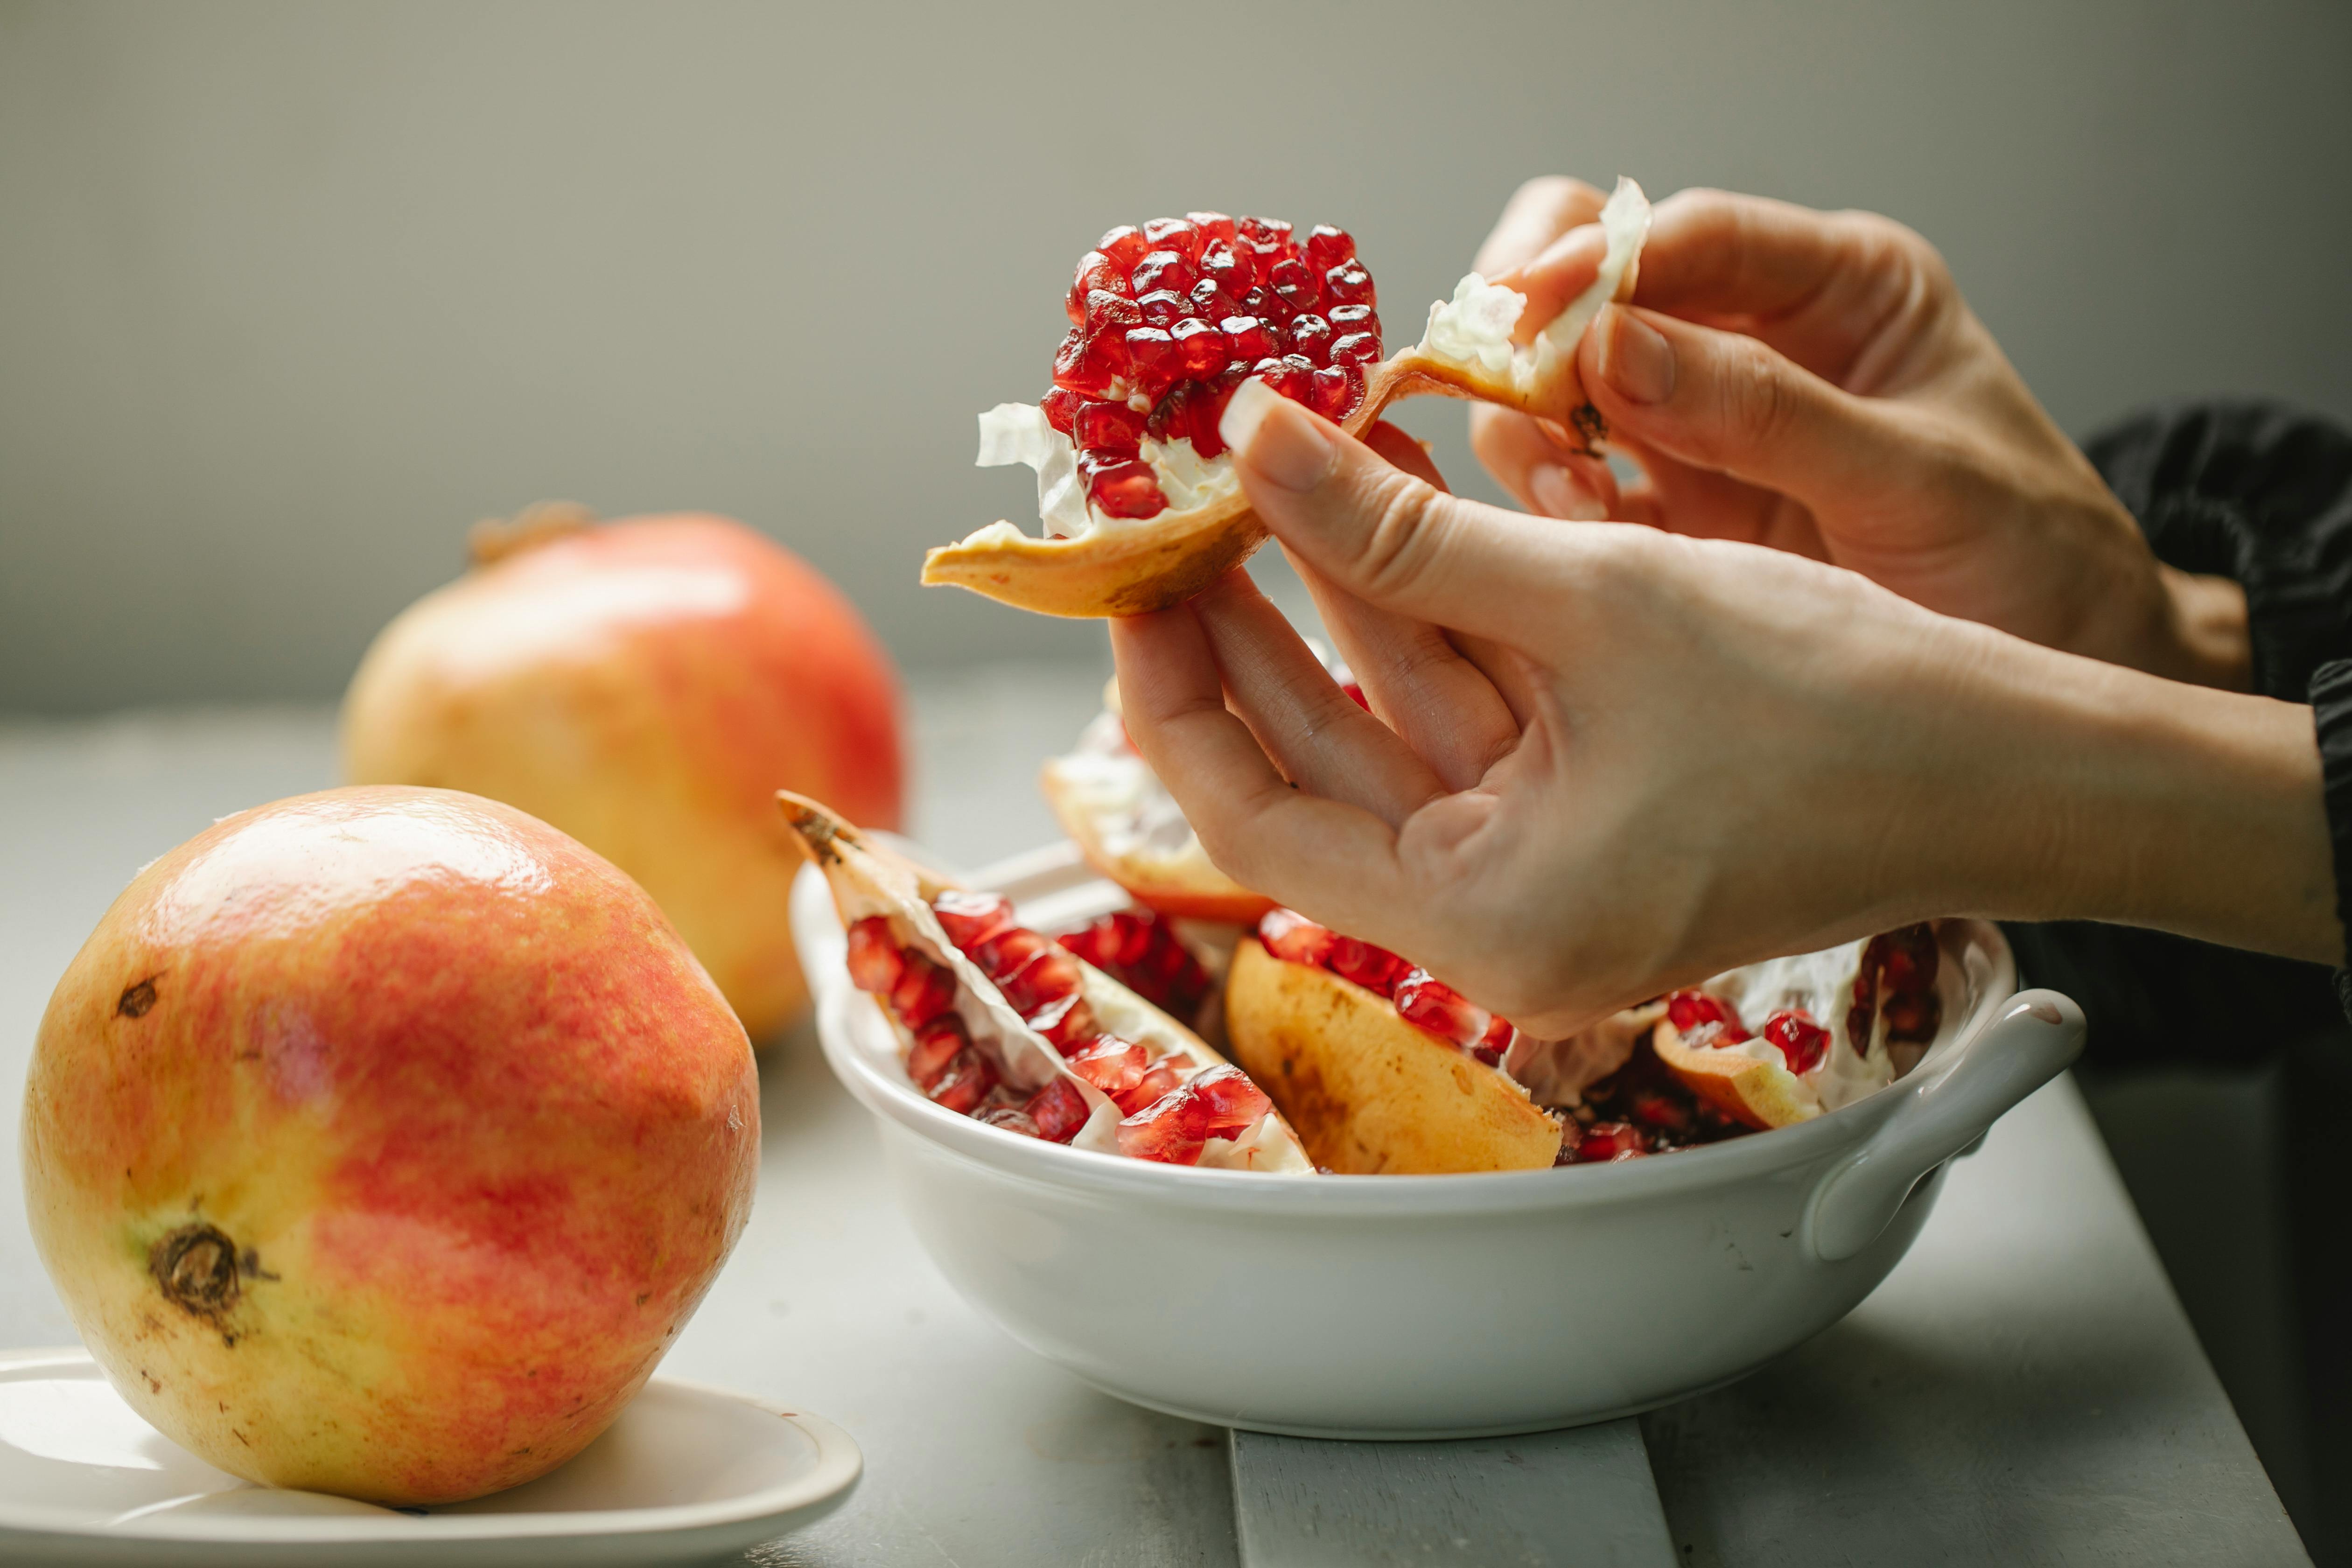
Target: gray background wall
289	294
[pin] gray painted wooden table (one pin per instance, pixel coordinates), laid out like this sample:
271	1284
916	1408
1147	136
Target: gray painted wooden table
2023	1389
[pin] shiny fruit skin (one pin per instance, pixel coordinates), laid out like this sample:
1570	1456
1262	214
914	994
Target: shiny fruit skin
379	1141
646	686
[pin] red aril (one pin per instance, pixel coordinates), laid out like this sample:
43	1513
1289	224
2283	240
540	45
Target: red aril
925	990
1441	1010
937	1043
1112	1065
1349	284
971	919
1164	269
1179	235
1125	246
1310	337
1142	952
1334	389
1012	1120
1294	938
1607	1140
1107	427
1127	489
875	964
1068	1024
1061	406
1690	1011
1007	949
965	1084
1164	308
1373	968
1328	247
1051	976
1059	1111
1803	1044
1201	350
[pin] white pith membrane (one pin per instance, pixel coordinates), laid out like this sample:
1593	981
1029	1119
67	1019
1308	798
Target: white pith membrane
1472	331
868	886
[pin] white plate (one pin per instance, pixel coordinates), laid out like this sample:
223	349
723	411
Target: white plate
686	1474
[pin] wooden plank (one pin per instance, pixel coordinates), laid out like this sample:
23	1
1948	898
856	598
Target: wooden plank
1579	1499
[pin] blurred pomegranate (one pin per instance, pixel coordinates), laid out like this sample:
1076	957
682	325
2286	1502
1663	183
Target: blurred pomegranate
646	686
380	1141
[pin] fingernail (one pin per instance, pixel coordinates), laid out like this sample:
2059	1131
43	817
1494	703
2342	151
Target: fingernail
1279	439
1635	361
1557	494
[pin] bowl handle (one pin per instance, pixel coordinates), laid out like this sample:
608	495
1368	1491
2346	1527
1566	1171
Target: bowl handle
2030	1041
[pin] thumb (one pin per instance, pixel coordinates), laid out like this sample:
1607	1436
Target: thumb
1384	535
1726	402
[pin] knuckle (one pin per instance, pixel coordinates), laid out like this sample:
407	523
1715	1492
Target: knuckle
1758	404
1406	539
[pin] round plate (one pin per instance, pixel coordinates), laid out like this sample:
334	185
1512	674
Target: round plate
686	1474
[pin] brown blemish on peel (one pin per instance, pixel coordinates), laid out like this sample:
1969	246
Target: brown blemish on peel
136	1000
196	1267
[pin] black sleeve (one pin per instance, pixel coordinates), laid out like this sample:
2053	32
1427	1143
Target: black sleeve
2262	494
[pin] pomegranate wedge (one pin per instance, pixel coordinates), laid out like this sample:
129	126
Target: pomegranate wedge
1009	1027
1139	499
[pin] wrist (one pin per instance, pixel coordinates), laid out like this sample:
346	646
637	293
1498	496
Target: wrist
2123	797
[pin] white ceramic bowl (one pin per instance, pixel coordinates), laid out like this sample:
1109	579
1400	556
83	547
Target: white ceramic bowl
1395	1307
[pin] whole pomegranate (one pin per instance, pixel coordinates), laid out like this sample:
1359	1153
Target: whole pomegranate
646	685
380	1141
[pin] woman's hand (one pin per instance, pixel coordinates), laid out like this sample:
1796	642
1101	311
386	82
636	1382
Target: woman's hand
1616	760
1814	382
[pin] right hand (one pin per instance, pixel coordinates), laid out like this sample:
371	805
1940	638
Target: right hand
1814	382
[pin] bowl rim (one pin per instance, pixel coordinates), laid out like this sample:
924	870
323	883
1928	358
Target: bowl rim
1320	1196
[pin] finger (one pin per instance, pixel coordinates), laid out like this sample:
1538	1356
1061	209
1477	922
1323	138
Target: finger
1389	539
1683	499
1546	478
1554	277
1728	403
1818	286
1288	844
1313	731
1416	679
1537	212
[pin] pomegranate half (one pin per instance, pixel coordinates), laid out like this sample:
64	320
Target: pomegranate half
646	685
380	1141
1139	502
1005	1024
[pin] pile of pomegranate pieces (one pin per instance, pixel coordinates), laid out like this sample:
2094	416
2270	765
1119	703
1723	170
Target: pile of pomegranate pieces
1170	1111
1167	319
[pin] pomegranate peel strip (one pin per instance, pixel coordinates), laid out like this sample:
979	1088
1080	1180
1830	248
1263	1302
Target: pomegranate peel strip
868	879
1135	568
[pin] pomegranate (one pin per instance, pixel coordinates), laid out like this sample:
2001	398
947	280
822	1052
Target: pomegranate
1002	1023
645	685
380	1141
1139	499
1143	952
1880	1000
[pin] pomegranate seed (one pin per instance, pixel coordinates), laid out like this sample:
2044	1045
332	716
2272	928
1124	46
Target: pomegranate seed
1219	1104
1209	408
937	1043
1112	313
1200	350
1107	427
1498	1039
1090	367
1112	1065
1164	269
1687	1010
1291	378
1153	353
1328	247
1050	976
1803	1043
1439	1009
1124	245
1294	285
1171	417
873	958
1338	388
1604	1142
1163	308
1068	1024
1263	303
1059	1111
965	1083
1373	968
1214	226
1012	1120
1657	1110
1311	335
1061	406
1355	694
1293	937
1349	284
971	919
1160	1079
1264	235
924	991
1346	318
1127	489
1208	301
1250	339
1175	234
1095	270
1356	348
1221	269
1006	951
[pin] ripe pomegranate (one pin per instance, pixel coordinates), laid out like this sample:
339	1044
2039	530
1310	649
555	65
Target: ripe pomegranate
380	1141
646	686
